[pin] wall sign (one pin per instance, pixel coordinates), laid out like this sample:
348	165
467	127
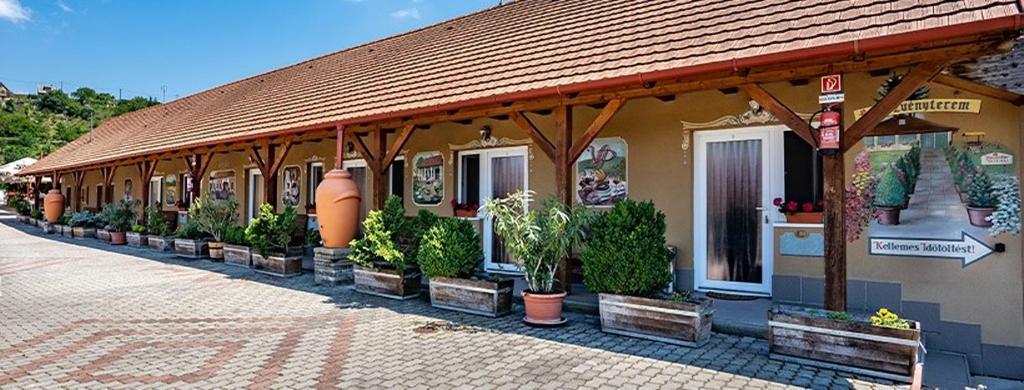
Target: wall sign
997	158
967	249
428	179
290	197
601	173
832	83
222	185
963	106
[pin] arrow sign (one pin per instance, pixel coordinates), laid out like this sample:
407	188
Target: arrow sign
968	249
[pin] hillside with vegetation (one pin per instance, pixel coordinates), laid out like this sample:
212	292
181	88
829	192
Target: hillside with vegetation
35	125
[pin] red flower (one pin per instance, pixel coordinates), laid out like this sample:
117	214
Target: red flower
792	205
808	207
777	201
821	202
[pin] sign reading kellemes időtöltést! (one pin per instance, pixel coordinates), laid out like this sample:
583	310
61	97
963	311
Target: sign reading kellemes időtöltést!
968	249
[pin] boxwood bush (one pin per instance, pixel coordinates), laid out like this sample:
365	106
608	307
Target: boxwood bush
625	253
451	248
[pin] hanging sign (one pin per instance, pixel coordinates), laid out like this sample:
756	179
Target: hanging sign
997	158
832	83
831	98
968	249
962	106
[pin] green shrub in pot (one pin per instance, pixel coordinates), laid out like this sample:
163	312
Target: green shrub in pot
625	252
270	232
979	190
213	217
141	229
155	223
235	235
450	248
120	215
384	232
189	231
890	192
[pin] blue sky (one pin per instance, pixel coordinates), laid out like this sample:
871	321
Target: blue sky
190	45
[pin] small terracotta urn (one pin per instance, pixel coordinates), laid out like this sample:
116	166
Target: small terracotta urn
53	205
543	309
337	206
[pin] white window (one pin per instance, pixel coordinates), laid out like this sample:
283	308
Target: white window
156	186
315	171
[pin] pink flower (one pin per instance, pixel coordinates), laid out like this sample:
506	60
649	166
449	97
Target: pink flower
777	201
792	205
808	207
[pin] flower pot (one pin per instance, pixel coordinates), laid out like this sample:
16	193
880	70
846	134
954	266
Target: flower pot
103	235
136	239
191	248
388	283
277	264
83	232
161	243
906	202
237	255
338	197
681	323
799	335
888	215
481	297
53	205
805	217
117	238
216	251
465	213
543	309
977	215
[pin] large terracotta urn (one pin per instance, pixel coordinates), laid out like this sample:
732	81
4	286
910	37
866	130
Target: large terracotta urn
337	208
53	205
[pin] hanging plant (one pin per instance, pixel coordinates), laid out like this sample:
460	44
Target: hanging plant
860	198
890	83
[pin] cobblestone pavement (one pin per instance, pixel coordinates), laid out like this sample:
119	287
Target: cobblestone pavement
83	314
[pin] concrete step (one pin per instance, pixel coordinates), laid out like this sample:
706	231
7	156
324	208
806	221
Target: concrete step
946	370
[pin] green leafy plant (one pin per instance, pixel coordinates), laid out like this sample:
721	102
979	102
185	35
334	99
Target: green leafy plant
235	235
313	238
155	223
37	214
63	219
450	248
1006	218
840	316
381	244
679	296
84	219
413	234
120	215
136	228
22	207
271	232
625	251
979	190
213	217
888	319
189	231
537	239
890	192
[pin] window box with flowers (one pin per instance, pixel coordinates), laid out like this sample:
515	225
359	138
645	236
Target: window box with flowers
464	210
800	212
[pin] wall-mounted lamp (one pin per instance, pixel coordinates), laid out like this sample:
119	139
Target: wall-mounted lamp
485	133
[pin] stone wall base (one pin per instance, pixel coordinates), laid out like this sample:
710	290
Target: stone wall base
331	266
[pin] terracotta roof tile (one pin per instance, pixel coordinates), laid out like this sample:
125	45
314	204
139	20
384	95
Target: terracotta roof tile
523	46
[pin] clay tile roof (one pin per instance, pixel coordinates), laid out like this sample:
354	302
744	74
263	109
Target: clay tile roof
1004	70
521	47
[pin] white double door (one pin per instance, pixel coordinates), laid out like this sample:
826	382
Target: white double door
734	175
491	173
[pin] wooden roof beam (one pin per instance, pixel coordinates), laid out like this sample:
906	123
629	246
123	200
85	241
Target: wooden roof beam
978	88
918	76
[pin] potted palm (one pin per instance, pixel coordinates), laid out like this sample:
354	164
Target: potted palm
214	217
626	262
119	216
190	241
890	195
384	262
83	224
981	199
160	236
272	237
538	240
137	237
236	247
450	256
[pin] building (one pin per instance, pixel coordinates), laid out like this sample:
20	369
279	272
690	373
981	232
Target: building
703	109
5	92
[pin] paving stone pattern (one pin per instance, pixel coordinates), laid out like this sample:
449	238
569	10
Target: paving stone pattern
83	314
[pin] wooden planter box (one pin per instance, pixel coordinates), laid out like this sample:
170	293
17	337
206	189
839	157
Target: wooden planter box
387	283
160	243
798	335
680	323
33	222
23	219
805	217
50	228
277	264
103	235
237	255
66	230
191	249
136	239
83	232
481	297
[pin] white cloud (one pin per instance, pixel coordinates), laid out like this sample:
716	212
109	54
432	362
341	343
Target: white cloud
64	7
13	10
408	13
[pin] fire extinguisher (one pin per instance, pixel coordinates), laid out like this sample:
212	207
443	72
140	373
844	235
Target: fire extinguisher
829	133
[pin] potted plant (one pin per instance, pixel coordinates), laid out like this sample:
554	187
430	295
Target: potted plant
214	217
538	240
37	217
800	212
20	206
120	216
272	238
137	237
160	236
236	247
890	195
1006	218
384	258
450	254
626	262
62	225
883	345
981	199
313	240
190	241
464	210
83	224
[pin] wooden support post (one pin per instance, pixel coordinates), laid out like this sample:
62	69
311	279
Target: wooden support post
108	183
36	201
269	163
835	232
563	176
380	170
79	178
197	166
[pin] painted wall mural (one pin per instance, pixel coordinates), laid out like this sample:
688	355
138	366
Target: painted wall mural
601	173
428	179
222	185
127	189
171	190
292	187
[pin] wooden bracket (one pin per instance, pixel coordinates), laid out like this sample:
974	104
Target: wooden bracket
781	112
538	138
362	148
595	128
918	76
396	148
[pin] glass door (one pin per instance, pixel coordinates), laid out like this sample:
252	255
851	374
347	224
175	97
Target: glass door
732	226
489	173
255	196
357	168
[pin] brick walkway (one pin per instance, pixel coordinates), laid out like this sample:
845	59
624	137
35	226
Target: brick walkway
82	314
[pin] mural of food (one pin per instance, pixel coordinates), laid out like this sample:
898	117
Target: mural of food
601	173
